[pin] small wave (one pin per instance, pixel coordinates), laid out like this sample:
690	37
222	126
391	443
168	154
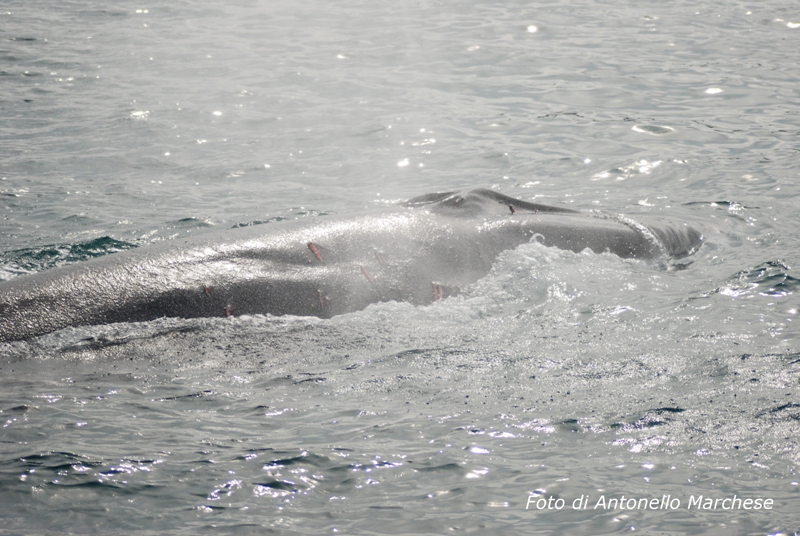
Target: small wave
20	261
771	279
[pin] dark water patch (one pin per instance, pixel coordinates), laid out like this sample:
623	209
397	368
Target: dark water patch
277	382
794	358
554	115
50	256
94	377
364	131
201	394
18	409
311	380
188	223
211	507
56	461
784	412
89	482
305	458
385	464
648	421
443	468
668	410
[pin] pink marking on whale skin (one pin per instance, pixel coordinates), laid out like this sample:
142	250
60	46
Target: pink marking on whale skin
438	291
227	311
378	256
513	210
321	300
315	251
366	274
207	291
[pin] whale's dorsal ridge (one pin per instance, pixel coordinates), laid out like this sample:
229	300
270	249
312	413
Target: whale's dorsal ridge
480	200
427	199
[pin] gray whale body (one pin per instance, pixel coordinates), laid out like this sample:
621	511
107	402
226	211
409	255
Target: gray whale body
426	249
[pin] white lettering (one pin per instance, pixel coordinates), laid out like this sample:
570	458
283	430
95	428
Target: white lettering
601	501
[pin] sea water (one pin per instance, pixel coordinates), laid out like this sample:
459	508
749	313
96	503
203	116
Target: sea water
563	393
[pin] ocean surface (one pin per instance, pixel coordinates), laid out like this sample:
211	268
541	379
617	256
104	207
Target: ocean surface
541	400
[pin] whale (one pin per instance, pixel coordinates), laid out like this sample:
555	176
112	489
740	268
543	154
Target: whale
420	251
